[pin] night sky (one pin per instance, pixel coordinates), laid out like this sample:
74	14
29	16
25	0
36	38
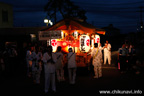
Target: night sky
123	14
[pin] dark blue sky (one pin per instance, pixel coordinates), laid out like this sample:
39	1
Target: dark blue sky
123	14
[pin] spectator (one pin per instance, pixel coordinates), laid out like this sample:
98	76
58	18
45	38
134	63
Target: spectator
107	53
49	59
122	58
29	62
71	57
96	54
37	68
60	64
2	64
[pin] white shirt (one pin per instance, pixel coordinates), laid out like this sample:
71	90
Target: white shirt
59	63
49	66
107	50
71	60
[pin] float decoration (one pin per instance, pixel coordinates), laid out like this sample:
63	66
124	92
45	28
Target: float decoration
74	33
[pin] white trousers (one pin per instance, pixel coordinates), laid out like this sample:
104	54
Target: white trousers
50	78
107	56
60	74
72	75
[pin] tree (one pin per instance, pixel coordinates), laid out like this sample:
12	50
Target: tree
66	9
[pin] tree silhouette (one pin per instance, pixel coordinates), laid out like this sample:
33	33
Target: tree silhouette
65	7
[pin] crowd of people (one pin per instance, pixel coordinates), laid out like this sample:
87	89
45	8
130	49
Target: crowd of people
38	59
8	59
53	64
126	57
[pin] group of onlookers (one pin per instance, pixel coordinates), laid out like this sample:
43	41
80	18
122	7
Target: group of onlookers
8	59
126	57
52	64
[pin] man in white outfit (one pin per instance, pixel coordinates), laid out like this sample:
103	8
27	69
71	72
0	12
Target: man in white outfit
71	56
49	59
107	52
59	64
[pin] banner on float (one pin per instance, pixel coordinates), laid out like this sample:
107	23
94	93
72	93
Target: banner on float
46	35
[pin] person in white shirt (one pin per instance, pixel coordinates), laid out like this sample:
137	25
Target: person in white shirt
49	60
59	64
107	53
71	57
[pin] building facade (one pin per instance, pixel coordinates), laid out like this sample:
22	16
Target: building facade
6	15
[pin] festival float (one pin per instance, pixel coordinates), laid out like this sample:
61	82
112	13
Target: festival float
74	33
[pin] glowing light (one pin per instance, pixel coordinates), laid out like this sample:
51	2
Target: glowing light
46	20
32	35
50	22
84	43
97	39
92	43
54	44
75	34
64	44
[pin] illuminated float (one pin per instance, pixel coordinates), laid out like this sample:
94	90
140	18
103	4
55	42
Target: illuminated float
74	33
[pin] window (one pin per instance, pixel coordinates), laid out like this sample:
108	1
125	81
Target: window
4	16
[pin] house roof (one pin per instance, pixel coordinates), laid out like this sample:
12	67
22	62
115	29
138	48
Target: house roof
20	30
75	24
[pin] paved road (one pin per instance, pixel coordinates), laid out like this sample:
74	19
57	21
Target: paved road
112	79
85	83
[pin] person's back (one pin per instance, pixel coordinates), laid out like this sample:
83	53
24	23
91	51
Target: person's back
71	56
97	55
59	62
97	58
71	60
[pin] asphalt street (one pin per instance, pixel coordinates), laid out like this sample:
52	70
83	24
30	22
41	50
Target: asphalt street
18	84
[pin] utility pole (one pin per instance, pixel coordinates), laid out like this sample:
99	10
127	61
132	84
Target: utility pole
141	19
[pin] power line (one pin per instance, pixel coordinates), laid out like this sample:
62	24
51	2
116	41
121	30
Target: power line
93	3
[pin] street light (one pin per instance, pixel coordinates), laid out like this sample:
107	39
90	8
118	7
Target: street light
48	22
